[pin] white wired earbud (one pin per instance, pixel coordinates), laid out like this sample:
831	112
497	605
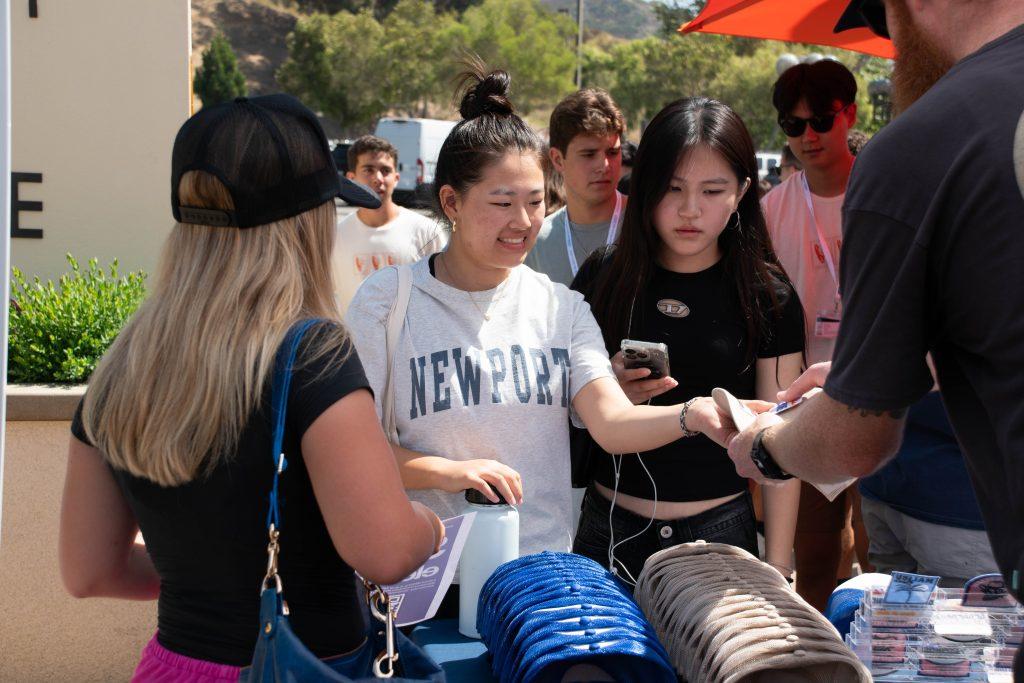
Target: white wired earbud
612	545
617	464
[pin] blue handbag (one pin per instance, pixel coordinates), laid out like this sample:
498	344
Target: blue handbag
279	655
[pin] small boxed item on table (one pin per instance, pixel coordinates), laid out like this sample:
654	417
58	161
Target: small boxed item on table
913	631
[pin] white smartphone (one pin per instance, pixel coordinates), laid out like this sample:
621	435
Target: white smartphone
650	355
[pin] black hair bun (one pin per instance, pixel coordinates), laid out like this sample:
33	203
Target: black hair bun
486	95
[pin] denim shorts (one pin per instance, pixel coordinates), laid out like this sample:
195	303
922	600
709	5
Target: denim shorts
731	522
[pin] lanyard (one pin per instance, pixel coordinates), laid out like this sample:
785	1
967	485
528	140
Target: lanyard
613	231
821	235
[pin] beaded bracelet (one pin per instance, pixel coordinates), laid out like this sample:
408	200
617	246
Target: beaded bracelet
682	418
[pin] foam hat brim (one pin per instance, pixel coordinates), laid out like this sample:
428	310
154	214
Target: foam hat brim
852	17
357	194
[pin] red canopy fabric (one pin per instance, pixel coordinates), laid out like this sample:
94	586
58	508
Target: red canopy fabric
797	21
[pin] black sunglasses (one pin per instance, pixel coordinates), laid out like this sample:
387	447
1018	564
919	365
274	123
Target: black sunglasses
794	126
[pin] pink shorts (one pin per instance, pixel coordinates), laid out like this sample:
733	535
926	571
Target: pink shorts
160	665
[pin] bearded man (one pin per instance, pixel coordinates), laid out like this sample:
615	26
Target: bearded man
932	262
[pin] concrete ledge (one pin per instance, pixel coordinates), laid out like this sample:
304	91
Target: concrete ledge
43	402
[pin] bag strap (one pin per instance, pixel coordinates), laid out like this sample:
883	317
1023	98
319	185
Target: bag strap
378	601
395	323
282	382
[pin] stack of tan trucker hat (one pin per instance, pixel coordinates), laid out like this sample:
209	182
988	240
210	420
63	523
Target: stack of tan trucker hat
726	617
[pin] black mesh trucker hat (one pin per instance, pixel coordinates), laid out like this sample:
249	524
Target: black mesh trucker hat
271	154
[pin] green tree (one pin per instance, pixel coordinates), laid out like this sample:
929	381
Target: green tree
534	45
644	75
419	46
332	66
674	13
382	8
330	6
869	69
219	79
745	84
354	68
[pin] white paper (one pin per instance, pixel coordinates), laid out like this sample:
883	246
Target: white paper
953	624
743	417
418	597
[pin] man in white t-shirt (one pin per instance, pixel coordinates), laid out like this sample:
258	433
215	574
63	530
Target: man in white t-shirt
816	109
585	133
370	239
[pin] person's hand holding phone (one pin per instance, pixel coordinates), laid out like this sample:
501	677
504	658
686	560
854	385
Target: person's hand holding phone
635	384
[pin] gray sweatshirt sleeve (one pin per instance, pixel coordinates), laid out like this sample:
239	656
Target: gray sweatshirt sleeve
366	320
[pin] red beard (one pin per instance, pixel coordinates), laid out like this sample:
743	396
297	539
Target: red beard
919	62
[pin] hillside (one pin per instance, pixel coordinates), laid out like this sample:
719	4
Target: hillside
621	18
257	30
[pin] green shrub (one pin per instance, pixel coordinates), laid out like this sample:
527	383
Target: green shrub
58	332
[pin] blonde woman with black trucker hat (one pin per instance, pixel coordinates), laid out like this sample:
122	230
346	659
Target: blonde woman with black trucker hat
174	433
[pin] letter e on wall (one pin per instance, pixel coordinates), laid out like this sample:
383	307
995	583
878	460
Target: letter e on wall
18	205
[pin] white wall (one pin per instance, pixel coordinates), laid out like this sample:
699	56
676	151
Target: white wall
99	89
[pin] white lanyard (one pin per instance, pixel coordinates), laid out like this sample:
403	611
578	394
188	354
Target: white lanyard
613	231
821	236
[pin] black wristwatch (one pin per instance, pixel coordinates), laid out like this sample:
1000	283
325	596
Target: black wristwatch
764	460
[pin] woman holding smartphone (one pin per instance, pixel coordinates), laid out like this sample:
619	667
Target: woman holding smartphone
693	270
492	356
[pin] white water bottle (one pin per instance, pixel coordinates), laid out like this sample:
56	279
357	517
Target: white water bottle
493	540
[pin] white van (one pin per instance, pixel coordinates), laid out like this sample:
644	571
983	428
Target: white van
766	161
418	142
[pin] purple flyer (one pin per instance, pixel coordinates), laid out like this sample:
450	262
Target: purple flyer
417	597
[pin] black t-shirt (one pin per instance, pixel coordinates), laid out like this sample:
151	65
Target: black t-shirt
933	259
208	538
707	349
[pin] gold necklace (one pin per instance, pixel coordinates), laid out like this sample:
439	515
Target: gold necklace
485	313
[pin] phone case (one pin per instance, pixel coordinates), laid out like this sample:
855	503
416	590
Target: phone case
651	355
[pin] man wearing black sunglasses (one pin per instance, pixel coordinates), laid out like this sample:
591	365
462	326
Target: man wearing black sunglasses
815	105
933	261
816	109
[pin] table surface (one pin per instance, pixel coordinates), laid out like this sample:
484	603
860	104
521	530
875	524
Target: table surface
463	659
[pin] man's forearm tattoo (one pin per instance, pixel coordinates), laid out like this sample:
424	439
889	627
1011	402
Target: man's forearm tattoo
897	414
